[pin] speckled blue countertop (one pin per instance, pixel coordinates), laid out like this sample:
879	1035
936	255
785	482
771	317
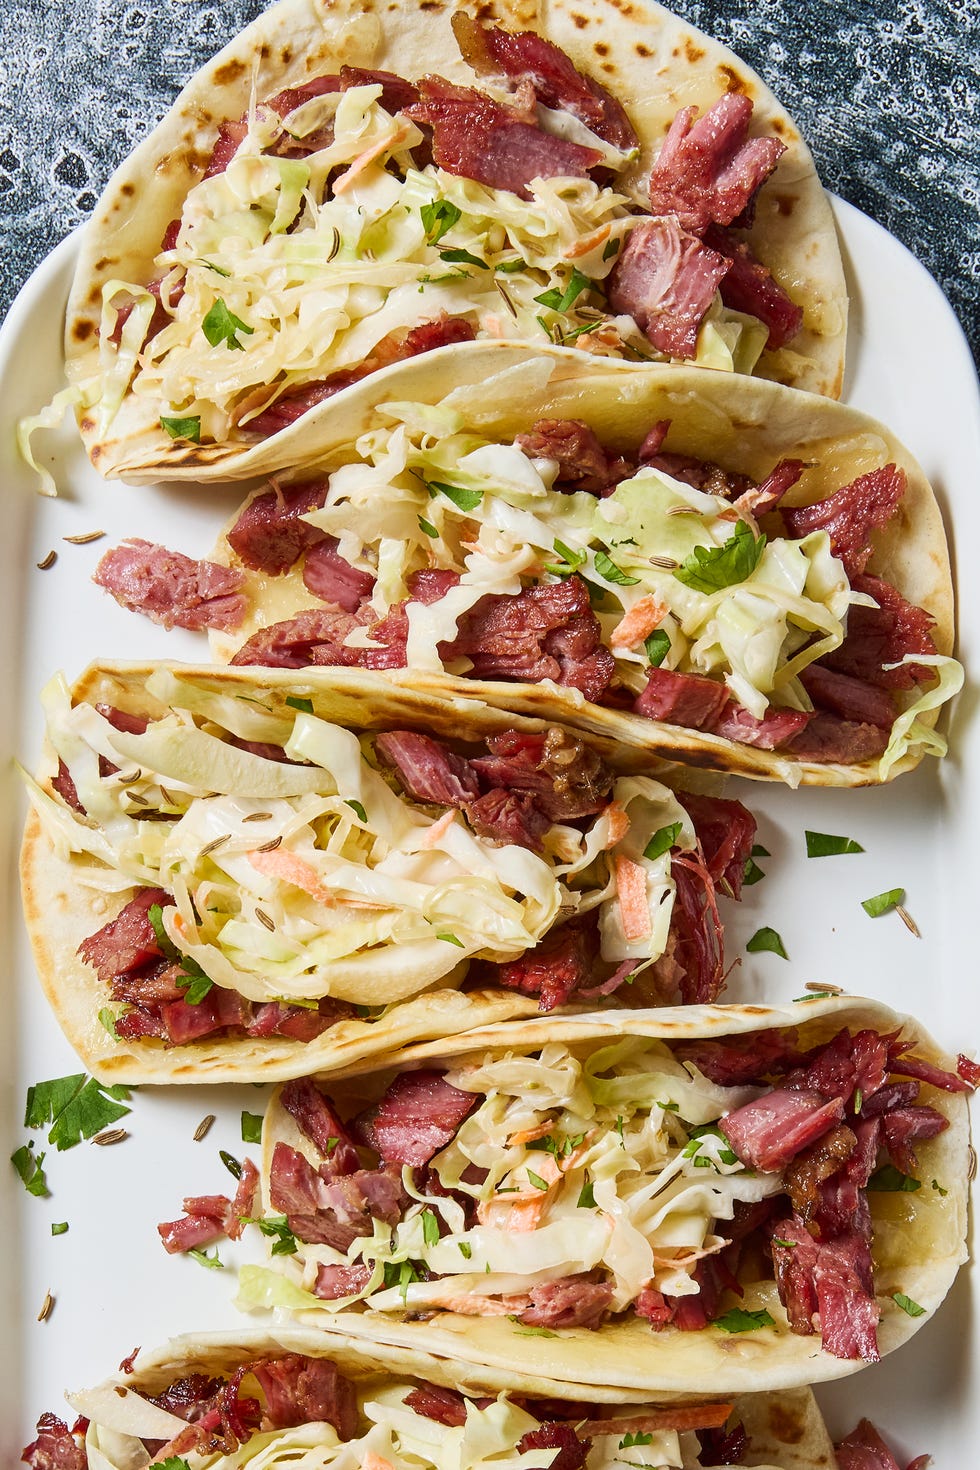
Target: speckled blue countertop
886	95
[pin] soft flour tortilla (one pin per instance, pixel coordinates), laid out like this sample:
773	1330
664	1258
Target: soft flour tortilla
653	63
743	424
60	913
920	1237
786	1428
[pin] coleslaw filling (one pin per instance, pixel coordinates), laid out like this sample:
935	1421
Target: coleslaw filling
610	1161
292	879
318	267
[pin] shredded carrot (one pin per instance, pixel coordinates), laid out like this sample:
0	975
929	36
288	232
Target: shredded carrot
289	868
372	1461
619	823
645	615
631	892
587	243
528	1135
438	830
350	175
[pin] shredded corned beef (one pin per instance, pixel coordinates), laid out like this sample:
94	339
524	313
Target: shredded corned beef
524	56
270	534
170	588
882	636
300	1390
864	1449
333	1282
750	286
417	1116
572	1451
561	964
573	1301
55	1448
316	1117
769	1133
708	170
778	727
691	700
666	279
850	515
583	463
502	147
827	739
850	698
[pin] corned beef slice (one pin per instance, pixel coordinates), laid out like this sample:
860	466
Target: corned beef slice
333	1282
690	700
128	942
850	698
556	967
270	534
572	1451
573	1301
708	171
567	777
850	515
750	286
170	588
55	1448
427	769
832	1278
327	1209
665	280
828	739
776	728
583	463
864	1449
525	56
316	1117
883	635
901	1127
417	1116
768	1133
502	147
510	817
315	636
301	1390
444	1405
726	831
737	1062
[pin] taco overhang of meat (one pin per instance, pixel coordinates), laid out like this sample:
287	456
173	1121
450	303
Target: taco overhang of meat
727	1196
223	880
339	189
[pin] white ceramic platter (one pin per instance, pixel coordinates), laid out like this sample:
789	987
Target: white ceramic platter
113	1285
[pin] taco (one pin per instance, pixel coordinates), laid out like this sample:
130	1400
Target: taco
708	569
305	216
293	1398
222	881
673	1200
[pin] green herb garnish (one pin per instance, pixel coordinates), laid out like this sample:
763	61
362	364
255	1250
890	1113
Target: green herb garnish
231	1163
464	500
657	647
28	1166
629	1440
189	428
451	939
251	1127
203	1259
889	1180
107	1018
430	1228
610	572
465	1249
557	300
570	560
662	841
825	844
438	218
77	1107
220	325
357	809
59	1227
908	1305
767	940
463	257
738	1320
709	568
586	1200
883	903
536	1180
428	528
295	702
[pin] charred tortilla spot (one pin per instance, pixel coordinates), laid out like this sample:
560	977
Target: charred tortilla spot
265	51
128	189
87	426
601	48
784	203
81	331
231	71
731	80
609	66
580	20
693	52
787	1427
103	263
286	55
642	50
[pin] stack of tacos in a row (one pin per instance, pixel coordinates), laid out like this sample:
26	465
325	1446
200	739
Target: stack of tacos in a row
438	842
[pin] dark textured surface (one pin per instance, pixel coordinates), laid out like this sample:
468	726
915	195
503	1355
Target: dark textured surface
888	97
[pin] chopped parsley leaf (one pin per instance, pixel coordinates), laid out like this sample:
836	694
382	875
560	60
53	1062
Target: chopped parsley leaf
531	1331
402	1274
277	1227
738	1320
28	1166
59	1227
430	1228
662	841
450	939
428	528
357	809
251	1127
510	266
767	940
939	1189
611	248
911	1308
203	1259
536	1180
889	1180
438	218
189	428
464	500
825	844
657	647
883	903
77	1107
586	1200
172	1462
789	1245
751	873
759	851
465	1249
709	568
619	1130
295	702
108	1018
194	983
462	257
220	325
629	1440
610	572
557	300
570	560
